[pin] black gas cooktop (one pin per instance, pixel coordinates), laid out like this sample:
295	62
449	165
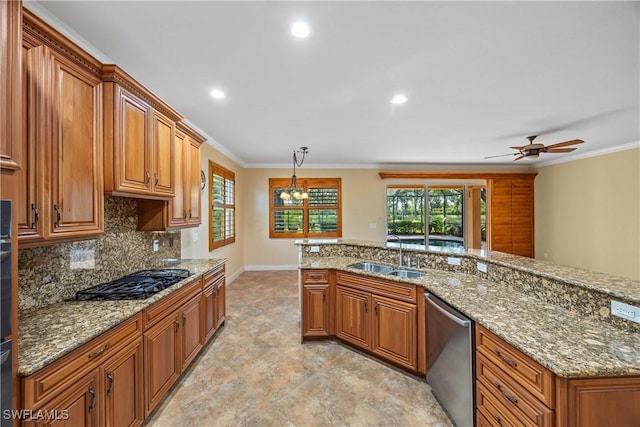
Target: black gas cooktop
139	285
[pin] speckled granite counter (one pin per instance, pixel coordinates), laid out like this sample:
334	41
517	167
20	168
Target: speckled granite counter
567	343
46	334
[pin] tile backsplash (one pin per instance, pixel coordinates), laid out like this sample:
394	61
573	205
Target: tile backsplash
54	273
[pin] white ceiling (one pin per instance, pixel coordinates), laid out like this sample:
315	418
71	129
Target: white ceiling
480	76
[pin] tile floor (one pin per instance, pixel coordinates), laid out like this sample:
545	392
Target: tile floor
257	373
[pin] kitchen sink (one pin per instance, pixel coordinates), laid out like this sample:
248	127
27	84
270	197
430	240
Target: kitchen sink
407	274
372	267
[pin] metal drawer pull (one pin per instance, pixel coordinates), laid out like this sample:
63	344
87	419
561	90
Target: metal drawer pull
99	352
184	319
505	359
56	224
175	322
36	215
499	420
511	397
110	378
93	399
365	306
157	179
147	178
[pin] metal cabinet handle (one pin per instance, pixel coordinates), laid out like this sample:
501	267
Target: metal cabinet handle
110	378
324	296
506	360
36	215
184	320
99	352
499	420
155	174
189	213
365	306
147	178
510	397
177	324
56	224
184	214
375	309
93	399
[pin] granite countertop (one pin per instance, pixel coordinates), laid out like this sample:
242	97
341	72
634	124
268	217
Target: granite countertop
567	343
615	286
46	334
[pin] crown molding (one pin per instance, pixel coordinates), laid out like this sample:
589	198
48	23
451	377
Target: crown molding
215	144
587	154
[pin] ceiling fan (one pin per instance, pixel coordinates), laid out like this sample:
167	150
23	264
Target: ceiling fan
534	150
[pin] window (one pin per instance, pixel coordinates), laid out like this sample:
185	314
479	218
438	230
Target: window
222	209
318	216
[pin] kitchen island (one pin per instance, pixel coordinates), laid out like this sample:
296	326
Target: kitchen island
555	316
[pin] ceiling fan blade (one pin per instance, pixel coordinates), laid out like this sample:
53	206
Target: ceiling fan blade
521	156
519	148
501	155
564	144
559	150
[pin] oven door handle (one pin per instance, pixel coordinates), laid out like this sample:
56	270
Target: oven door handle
4	356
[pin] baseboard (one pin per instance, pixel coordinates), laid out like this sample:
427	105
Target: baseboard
230	279
269	267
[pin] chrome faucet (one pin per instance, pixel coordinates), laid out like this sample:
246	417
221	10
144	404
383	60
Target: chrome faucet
400	242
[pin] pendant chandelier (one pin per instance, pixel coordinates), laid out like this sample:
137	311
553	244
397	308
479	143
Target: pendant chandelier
294	191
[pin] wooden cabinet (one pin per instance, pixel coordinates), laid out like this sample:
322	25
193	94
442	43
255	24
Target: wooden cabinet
184	209
138	139
511	211
172	338
10	84
61	181
99	382
315	303
213	302
379	316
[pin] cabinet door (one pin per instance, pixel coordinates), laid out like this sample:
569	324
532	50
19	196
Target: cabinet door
162	155
191	338
193	187
76	186
162	360
77	406
132	159
209	307
124	397
29	203
177	206
394	331
221	304
315	309
10	111
352	316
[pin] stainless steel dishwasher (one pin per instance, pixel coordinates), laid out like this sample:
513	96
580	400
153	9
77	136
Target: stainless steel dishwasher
450	361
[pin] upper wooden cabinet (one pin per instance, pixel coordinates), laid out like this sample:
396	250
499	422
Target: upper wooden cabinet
10	35
61	179
184	210
511	215
139	132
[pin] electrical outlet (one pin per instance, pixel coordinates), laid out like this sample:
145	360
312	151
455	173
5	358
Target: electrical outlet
625	311
156	245
372	225
453	261
314	249
195	237
482	267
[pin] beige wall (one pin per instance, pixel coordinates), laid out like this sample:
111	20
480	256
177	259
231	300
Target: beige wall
362	205
200	249
587	213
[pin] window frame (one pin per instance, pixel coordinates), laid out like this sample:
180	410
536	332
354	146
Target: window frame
306	183
227	175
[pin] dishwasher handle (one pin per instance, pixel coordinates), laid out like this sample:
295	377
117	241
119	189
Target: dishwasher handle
462	322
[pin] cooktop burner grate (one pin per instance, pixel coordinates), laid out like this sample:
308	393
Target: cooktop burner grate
139	285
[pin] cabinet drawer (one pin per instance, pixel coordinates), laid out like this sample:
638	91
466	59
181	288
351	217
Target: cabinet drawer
532	376
159	310
513	396
213	276
50	381
315	276
386	288
493	411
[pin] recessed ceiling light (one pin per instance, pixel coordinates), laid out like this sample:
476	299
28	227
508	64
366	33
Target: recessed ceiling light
217	94
300	29
399	99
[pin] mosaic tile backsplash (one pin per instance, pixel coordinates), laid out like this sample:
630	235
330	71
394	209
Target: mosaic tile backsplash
50	274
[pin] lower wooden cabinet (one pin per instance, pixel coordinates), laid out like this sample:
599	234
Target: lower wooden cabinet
213	302
119	377
315	300
394	331
353	323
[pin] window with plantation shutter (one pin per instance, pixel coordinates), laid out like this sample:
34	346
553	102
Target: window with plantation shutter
318	216
222	207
